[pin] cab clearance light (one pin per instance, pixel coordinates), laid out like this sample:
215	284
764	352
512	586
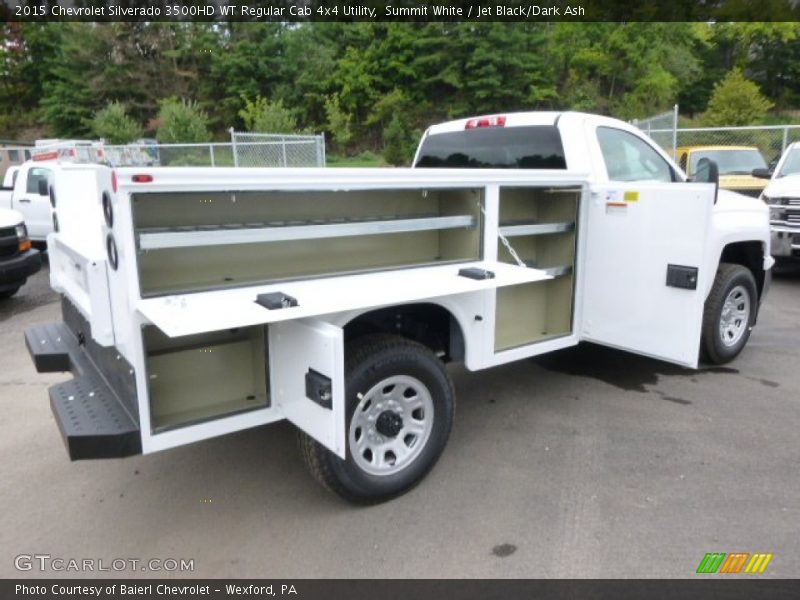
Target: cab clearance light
495	121
142	178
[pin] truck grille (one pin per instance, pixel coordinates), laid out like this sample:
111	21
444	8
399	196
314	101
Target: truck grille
9	244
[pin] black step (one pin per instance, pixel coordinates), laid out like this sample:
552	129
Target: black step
93	420
50	346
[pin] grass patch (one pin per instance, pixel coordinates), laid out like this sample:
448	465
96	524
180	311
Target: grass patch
363	160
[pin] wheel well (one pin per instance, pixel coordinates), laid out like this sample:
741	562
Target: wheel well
747	254
429	324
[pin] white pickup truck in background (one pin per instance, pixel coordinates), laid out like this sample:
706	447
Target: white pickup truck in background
202	301
782	195
26	188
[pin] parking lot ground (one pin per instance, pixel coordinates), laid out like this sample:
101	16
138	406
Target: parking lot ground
585	463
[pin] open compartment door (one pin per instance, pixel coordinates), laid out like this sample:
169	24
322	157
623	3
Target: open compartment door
306	363
644	275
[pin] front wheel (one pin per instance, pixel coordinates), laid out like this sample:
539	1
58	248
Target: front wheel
730	311
399	409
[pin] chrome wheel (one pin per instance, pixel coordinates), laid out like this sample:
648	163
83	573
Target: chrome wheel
735	316
391	425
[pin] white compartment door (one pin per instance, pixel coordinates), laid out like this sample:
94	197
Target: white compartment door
306	363
637	234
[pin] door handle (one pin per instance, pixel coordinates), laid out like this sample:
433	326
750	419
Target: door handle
25	200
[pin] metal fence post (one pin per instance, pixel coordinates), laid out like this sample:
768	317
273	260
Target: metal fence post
283	148
211	153
785	139
675	133
233	148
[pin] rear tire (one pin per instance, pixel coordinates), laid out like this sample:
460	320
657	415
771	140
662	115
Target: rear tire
729	314
400	405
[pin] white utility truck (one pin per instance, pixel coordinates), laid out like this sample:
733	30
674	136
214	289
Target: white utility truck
27	190
203	301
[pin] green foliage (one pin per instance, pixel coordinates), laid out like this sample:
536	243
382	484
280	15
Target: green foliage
340	123
181	121
262	116
113	124
736	101
353	79
398	143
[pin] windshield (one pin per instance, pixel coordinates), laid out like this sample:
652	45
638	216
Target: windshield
535	147
791	166
731	162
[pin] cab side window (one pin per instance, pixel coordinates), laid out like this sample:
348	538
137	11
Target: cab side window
629	158
34	176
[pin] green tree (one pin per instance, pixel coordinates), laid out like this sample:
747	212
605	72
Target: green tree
113	124
263	116
181	121
736	101
398	142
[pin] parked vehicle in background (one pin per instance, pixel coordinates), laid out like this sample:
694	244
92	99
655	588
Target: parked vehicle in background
18	260
782	195
735	164
26	188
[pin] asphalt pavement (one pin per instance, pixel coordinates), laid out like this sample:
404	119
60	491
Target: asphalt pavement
584	463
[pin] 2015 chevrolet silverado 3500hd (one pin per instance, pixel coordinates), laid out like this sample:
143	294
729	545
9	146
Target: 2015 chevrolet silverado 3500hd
198	302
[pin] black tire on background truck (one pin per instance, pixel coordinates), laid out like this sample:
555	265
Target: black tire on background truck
729	314
8	293
400	405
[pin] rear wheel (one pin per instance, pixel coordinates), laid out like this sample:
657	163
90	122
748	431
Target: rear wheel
730	311
399	409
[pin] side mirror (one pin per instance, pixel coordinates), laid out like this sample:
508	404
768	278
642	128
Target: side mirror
762	173
44	188
707	171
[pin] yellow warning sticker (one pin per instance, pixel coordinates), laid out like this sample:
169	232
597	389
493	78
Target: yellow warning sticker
631	196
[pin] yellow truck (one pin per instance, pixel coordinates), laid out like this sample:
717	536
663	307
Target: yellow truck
735	163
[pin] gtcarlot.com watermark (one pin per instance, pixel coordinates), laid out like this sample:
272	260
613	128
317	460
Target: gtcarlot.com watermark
58	564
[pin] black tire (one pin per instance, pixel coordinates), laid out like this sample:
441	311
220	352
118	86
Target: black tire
729	276
8	293
370	360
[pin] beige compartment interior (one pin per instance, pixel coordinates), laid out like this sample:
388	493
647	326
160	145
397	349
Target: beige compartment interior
200	377
537	311
204	267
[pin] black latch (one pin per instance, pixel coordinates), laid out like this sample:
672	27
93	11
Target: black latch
275	300
476	273
682	277
319	389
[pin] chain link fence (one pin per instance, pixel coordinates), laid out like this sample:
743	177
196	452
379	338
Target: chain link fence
277	150
244	150
661	128
771	140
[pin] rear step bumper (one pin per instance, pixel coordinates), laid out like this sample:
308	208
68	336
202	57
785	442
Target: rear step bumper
92	419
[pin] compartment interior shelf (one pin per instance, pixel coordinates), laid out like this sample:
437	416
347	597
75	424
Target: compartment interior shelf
278	231
518	228
229	309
